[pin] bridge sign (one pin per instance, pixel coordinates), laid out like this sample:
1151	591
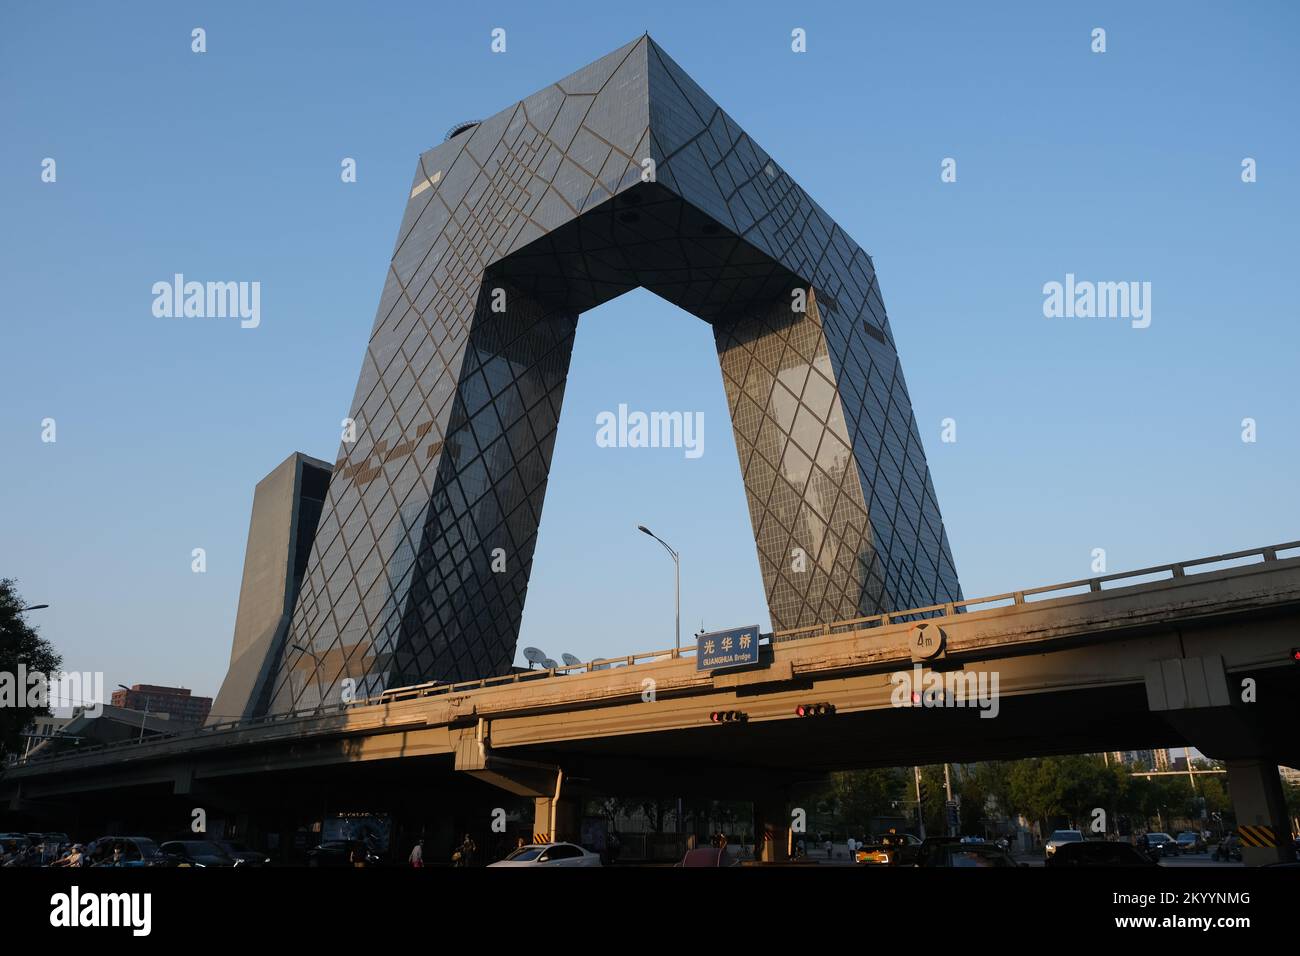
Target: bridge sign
721	649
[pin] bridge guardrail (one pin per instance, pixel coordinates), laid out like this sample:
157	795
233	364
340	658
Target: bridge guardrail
1176	570
431	689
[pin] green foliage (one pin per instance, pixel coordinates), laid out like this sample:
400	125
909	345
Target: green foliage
856	796
20	644
1073	786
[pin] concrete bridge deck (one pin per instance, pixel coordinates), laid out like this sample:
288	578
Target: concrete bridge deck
1160	662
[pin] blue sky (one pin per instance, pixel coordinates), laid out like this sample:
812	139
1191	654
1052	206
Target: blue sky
1073	434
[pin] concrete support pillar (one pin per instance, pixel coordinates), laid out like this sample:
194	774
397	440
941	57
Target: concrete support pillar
556	815
1257	799
556	820
772	836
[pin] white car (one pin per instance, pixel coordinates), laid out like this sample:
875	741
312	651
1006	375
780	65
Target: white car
550	854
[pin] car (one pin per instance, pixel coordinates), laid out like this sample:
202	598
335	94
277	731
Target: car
203	853
1058	838
552	854
1099	853
889	849
51	845
707	856
242	854
959	855
125	851
1157	845
18	850
1189	841
876	854
340	853
58	840
12	844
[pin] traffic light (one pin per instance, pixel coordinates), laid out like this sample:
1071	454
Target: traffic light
727	716
815	710
1295	655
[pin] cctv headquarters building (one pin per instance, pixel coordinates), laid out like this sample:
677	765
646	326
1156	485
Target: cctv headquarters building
377	570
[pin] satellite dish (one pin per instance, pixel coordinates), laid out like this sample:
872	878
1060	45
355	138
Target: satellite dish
549	664
570	660
535	655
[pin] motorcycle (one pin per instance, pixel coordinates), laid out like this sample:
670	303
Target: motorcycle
1228	850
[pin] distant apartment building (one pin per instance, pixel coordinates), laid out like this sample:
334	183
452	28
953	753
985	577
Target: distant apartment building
176	702
1132	759
45	727
1140	759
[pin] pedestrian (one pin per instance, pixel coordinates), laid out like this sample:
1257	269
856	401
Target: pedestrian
417	854
464	854
71	858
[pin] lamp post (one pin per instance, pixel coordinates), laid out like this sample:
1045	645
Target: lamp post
146	710
677	566
35	607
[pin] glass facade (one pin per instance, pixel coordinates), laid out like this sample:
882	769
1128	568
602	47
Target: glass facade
624	174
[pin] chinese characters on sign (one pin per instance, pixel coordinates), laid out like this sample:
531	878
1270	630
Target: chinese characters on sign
727	648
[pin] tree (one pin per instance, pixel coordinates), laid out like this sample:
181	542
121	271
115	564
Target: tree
859	795
20	645
982	784
1035	790
657	810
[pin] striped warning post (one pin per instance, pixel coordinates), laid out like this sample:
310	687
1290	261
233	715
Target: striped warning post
541	838
1256	836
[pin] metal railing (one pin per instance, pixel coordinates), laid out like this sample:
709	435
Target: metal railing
433	689
1176	570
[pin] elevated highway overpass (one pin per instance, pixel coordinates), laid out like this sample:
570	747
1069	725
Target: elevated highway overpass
1197	653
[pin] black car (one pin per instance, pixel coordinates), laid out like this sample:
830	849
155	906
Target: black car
196	853
242	854
962	855
341	853
125	851
1099	853
1156	845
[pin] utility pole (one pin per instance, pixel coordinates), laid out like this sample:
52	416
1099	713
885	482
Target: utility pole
920	810
947	787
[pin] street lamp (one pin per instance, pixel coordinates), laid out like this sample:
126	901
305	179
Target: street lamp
677	565
146	710
34	607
